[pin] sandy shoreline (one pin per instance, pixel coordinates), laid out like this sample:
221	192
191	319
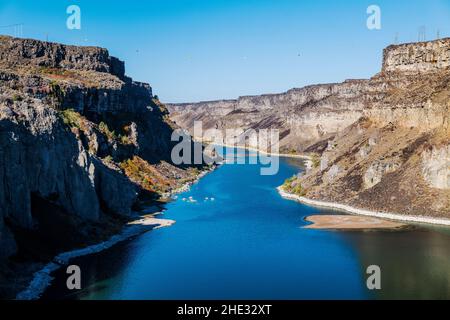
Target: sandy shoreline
342	207
363	212
350	222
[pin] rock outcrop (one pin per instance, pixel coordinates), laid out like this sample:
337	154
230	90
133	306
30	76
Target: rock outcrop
435	167
380	144
29	52
71	125
417	57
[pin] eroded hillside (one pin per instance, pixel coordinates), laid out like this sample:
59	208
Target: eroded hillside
381	143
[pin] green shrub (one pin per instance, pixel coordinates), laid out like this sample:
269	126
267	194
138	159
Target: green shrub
146	175
293	185
287	185
113	136
17	97
103	127
298	190
71	118
124	139
315	159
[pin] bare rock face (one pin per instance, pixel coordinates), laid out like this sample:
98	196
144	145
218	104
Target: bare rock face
43	159
301	115
332	173
71	123
22	52
8	244
436	167
376	171
417	57
304	116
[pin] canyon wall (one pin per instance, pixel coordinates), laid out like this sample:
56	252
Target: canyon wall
319	111
417	57
80	144
379	143
308	114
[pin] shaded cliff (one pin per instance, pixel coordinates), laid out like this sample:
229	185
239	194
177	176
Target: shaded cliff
380	143
80	144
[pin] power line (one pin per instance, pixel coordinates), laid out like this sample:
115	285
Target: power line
11	25
17	29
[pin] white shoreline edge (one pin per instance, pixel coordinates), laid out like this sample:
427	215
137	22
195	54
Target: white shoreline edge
363	212
342	207
42	279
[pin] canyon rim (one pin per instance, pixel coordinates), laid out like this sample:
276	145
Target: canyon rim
381	144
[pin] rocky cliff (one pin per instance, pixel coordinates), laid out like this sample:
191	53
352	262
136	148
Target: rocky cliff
319	111
380	143
417	57
80	143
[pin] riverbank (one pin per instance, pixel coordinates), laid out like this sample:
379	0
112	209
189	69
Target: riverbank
185	187
206	243
350	222
143	223
43	278
363	212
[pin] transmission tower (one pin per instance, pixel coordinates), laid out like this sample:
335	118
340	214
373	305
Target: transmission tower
422	34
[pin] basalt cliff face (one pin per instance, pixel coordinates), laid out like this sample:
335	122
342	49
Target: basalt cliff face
80	143
380	144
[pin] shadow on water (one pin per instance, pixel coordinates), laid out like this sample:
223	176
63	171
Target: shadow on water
97	270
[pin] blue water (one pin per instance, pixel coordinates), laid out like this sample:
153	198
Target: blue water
249	244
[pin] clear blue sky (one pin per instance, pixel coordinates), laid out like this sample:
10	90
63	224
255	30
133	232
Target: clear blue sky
192	50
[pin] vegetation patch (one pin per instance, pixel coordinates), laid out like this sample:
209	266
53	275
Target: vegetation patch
146	176
293	185
58	72
315	160
113	136
17	97
73	119
110	134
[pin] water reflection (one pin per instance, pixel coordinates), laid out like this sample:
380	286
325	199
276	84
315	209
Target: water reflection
414	264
